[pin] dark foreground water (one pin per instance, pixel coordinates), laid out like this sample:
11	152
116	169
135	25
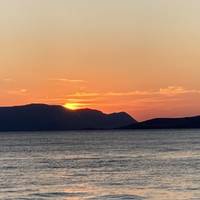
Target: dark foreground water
120	165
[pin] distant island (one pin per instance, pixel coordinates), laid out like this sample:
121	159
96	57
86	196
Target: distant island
42	117
167	123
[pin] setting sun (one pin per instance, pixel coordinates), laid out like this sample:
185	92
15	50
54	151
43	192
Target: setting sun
72	106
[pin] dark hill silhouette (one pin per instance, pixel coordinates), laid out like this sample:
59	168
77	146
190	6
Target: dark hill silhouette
41	117
167	123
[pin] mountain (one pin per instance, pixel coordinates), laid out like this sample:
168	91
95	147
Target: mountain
41	117
167	123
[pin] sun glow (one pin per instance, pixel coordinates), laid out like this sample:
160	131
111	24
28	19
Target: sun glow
73	106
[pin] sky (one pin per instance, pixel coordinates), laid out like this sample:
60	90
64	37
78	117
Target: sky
137	56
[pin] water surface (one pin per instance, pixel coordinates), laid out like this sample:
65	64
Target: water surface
100	165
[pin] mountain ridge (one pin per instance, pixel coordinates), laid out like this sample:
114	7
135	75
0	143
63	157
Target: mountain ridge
43	117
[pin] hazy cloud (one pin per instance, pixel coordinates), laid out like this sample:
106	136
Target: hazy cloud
85	94
131	93
169	91
18	92
65	80
7	79
176	90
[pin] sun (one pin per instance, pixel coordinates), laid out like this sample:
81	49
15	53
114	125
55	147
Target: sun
72	106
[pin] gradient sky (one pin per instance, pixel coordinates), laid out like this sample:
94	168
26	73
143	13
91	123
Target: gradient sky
138	56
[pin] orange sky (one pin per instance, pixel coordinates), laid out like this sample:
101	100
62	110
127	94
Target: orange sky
118	55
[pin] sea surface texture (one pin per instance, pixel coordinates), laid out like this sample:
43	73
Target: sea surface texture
100	165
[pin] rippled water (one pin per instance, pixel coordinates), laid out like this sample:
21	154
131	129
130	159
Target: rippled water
104	165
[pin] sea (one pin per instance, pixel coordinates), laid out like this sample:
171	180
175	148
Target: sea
100	165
